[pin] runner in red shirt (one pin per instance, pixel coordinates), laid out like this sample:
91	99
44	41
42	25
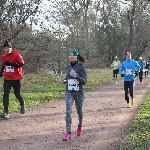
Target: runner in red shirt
12	63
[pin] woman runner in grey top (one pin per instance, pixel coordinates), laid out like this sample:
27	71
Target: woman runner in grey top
76	77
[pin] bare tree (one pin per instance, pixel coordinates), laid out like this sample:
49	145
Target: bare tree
13	16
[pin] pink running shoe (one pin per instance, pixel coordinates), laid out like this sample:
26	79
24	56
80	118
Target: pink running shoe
67	137
79	131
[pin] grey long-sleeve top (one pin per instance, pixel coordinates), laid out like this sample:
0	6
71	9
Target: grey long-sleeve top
75	85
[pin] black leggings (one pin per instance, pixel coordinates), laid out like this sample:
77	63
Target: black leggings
128	88
146	73
7	87
141	75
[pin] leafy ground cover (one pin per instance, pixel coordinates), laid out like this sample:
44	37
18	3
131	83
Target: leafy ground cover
138	133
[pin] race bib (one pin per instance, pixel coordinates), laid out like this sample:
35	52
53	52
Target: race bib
73	84
129	72
9	69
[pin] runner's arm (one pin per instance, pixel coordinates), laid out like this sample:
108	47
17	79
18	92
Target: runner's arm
18	65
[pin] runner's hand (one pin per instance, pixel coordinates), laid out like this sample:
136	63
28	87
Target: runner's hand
62	80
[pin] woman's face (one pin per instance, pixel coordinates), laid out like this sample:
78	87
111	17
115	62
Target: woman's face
72	57
7	50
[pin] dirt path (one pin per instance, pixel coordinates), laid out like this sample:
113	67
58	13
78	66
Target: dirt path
105	119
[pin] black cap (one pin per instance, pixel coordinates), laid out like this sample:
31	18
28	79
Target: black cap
7	44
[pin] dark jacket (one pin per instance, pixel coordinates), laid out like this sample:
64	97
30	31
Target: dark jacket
75	85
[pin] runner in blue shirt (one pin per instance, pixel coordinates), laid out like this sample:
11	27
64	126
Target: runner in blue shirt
142	66
129	67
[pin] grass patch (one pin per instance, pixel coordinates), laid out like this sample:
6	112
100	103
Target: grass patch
40	88
138	132
98	77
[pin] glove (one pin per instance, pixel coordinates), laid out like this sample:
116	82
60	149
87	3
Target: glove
1	74
62	80
73	73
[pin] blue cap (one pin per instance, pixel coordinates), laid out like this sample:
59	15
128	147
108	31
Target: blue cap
75	52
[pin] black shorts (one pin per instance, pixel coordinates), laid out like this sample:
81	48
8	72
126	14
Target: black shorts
116	71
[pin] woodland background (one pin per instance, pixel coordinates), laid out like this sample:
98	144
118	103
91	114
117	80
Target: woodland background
44	31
